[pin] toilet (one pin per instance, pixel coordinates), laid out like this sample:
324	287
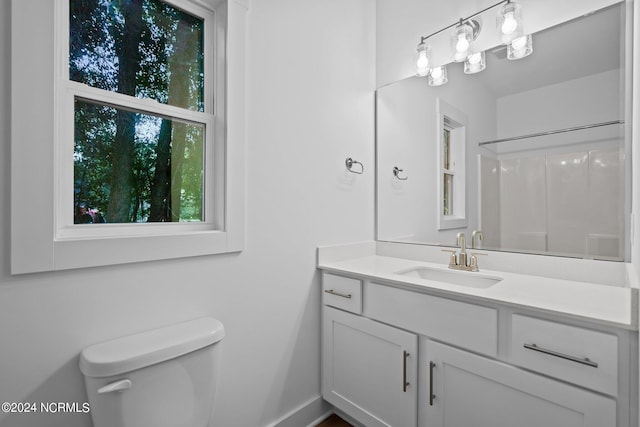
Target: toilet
165	377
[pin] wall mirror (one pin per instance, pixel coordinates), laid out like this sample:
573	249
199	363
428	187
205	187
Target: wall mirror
533	153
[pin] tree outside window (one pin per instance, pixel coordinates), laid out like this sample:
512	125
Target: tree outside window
132	164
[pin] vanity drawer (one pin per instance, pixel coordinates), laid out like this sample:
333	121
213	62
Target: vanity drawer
342	292
577	355
469	326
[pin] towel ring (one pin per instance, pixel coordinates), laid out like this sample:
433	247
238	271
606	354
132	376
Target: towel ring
350	162
397	171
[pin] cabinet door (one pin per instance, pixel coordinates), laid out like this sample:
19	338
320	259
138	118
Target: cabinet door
369	370
471	390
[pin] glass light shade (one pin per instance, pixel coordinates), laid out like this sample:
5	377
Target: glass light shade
520	47
461	42
509	22
438	76
423	59
475	63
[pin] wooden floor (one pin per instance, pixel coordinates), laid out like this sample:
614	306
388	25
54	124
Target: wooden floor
334	421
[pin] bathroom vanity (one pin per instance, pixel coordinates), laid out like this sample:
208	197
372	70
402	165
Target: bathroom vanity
408	342
538	168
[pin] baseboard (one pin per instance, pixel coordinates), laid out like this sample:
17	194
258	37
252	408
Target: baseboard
308	414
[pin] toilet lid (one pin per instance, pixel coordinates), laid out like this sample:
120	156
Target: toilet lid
148	348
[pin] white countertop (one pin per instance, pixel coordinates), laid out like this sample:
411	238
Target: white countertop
604	304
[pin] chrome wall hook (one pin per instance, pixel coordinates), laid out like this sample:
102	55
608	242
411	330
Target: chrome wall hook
397	171
350	162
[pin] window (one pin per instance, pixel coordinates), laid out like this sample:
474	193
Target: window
160	159
451	166
448	172
134	161
126	146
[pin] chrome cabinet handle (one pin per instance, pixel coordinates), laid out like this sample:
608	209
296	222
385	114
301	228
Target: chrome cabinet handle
431	395
338	294
584	361
405	383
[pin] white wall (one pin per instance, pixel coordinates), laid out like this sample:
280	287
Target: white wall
635	208
407	138
405	115
634	231
310	97
591	99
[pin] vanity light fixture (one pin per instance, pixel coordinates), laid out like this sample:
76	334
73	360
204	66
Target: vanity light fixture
438	76
424	60
475	63
466	31
462	37
520	47
509	22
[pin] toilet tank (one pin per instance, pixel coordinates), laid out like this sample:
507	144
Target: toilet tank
165	377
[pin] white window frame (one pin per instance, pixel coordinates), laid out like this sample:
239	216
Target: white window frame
43	236
456	122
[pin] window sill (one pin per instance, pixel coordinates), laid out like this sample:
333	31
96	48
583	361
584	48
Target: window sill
123	250
449	223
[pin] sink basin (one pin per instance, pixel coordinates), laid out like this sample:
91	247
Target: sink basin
471	280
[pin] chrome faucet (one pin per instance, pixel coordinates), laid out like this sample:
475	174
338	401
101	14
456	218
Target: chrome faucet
459	261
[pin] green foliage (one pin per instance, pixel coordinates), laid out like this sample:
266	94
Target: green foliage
170	69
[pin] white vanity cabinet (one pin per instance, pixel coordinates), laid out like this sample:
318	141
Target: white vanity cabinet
578	355
342	292
397	356
369	369
465	389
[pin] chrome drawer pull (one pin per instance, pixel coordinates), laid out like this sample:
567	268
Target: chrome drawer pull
584	361
338	294
431	395
405	383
